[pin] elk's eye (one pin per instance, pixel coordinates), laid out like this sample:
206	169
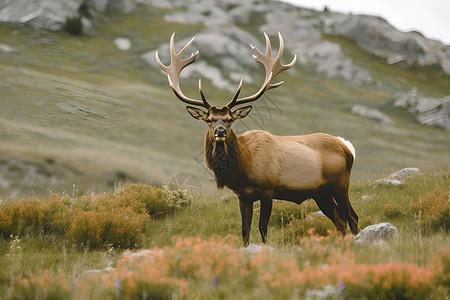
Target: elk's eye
208	121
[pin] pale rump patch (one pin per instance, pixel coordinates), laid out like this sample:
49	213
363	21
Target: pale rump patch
349	146
299	167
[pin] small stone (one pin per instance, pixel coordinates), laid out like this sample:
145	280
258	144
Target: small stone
366	198
123	44
376	233
329	292
6	48
140	253
388	182
319	213
256	248
97	271
225	199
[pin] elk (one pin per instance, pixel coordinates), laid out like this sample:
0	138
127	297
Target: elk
260	166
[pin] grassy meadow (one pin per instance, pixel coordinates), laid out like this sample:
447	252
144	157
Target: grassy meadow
77	110
64	247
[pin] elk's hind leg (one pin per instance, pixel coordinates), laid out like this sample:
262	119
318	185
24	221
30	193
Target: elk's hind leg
329	207
343	201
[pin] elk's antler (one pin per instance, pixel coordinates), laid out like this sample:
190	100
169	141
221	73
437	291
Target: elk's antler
177	64
273	67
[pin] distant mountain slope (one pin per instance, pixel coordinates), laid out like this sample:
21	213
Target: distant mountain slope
78	110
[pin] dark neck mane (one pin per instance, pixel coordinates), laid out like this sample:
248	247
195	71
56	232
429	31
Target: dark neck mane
224	159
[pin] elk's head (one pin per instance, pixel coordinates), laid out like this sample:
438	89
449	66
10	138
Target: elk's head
219	120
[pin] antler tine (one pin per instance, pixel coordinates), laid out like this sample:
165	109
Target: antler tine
280	66
173	70
236	95
273	67
205	102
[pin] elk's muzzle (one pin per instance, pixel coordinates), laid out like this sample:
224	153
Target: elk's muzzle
220	133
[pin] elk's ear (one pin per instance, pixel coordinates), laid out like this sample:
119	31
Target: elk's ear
241	112
196	113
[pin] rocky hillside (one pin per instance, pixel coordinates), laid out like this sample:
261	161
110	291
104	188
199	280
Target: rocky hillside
84	105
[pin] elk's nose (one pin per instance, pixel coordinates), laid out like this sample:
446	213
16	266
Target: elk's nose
220	133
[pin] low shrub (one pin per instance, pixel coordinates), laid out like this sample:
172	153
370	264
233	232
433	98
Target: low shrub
312	224
283	211
22	217
433	210
385	281
392	210
441	264
58	214
144	197
120	228
6	220
105	219
41	286
365	221
211	269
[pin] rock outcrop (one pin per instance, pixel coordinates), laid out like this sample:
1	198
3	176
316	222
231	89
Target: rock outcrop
52	15
371	113
428	111
55	15
377	36
223	38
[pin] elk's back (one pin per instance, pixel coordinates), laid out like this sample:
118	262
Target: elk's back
303	162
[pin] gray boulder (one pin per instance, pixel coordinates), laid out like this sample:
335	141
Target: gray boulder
376	233
397	179
47	14
56	15
405	173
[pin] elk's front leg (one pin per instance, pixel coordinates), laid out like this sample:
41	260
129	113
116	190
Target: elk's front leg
246	215
266	210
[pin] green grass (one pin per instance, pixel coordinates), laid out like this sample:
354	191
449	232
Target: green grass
28	255
214	225
99	112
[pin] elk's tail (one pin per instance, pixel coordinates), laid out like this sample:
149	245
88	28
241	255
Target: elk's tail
349	146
